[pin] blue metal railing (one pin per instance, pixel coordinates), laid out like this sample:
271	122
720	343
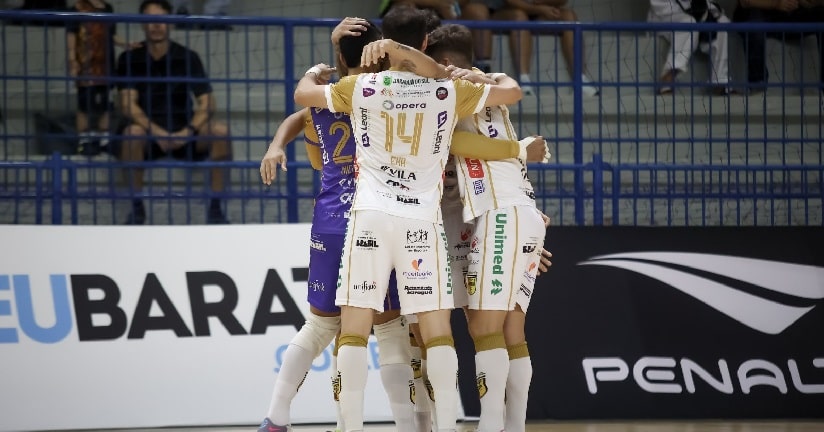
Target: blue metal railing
624	157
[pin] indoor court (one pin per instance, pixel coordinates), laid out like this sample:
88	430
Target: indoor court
567	426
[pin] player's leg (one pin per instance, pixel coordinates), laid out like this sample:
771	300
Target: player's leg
392	334
427	292
322	324
366	259
520	363
423	396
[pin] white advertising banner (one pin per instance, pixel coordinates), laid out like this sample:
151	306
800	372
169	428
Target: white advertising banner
114	327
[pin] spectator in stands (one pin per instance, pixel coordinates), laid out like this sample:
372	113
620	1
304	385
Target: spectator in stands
684	43
163	121
90	54
210	7
446	9
775	11
520	41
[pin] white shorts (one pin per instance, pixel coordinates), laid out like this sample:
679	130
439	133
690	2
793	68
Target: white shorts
375	244
503	258
458	238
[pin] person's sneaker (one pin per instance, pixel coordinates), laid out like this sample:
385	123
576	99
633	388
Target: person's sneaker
587	89
525	82
268	426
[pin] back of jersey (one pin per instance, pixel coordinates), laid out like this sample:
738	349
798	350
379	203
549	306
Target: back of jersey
403	126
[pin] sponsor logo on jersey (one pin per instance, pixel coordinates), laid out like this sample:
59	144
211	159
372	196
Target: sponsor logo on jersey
417	290
397	184
368	92
441	93
365	286
410	81
476	170
498	245
478	187
417	236
407	200
399	174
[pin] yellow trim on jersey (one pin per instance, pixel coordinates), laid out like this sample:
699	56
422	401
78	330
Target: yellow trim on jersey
340	94
512	288
465	198
483	266
310	136
479	146
351	241
488	174
468	97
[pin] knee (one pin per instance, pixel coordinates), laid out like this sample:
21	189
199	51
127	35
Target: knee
220	147
133	142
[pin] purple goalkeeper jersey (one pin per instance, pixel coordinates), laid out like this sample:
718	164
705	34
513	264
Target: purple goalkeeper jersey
337	146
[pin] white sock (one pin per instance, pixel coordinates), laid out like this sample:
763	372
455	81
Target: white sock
492	367
296	364
525	82
444	381
517	393
396	380
394	354
423	410
352	367
587	89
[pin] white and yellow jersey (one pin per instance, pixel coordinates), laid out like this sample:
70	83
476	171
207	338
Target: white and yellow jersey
403	126
491	185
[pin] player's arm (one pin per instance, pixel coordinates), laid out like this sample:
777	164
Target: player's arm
311	89
404	55
477	146
505	91
312	141
275	154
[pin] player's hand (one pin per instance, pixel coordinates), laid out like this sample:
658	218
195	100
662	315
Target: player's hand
545	263
269	165
325	74
456	73
546	220
350	26
536	150
375	51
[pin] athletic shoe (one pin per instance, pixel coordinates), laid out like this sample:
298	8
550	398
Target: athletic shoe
268	426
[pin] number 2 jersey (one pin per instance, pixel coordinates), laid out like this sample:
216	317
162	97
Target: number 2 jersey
332	134
403	126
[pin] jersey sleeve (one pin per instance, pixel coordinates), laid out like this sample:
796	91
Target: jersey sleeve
471	97
339	95
477	146
310	137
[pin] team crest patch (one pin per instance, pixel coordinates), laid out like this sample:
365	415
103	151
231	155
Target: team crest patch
471	282
336	387
480	381
430	390
416	369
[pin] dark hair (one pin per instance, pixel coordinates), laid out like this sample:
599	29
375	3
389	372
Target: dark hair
433	21
351	47
406	25
163	4
452	39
